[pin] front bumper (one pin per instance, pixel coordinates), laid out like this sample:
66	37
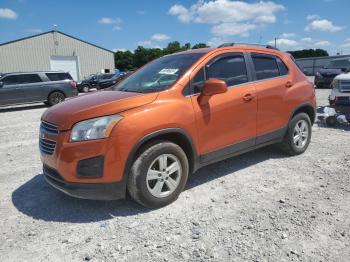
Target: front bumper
323	82
101	191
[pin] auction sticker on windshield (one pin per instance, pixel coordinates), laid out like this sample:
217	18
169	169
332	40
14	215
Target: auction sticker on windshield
168	71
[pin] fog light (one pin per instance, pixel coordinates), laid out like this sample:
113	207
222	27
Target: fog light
91	167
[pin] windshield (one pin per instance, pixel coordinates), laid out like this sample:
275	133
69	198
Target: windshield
339	64
159	74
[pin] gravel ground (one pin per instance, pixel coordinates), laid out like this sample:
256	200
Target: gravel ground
261	206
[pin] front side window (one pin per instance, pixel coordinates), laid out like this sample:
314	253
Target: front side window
231	69
159	74
265	66
21	79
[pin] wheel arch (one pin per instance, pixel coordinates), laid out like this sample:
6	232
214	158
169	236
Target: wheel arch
56	90
175	135
306	108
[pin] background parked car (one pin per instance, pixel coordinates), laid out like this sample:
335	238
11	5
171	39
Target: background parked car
50	87
325	76
113	81
340	94
92	82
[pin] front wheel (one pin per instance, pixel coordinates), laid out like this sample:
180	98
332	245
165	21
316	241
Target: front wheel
298	136
158	175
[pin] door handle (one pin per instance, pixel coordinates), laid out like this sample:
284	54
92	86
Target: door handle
248	97
289	84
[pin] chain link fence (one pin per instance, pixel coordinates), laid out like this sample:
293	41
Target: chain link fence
313	64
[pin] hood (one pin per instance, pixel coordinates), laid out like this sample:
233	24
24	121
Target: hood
343	76
83	107
330	71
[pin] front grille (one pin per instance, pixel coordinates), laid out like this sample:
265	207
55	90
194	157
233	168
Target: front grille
49	128
47	146
344	86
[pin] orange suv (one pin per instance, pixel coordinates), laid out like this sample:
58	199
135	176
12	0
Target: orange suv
174	115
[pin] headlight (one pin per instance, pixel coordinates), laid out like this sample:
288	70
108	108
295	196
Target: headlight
95	128
335	83
318	74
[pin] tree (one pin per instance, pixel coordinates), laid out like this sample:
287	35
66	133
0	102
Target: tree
144	55
199	45
172	47
124	60
309	53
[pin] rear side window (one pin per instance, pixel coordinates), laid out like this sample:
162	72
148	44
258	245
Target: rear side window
265	66
282	67
58	76
21	79
231	69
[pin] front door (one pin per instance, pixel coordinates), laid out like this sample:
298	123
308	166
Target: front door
227	122
10	93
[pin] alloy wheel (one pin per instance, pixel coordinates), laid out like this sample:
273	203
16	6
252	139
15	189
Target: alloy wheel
164	175
301	134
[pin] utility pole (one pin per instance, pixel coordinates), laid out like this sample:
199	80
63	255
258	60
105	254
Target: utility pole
276	42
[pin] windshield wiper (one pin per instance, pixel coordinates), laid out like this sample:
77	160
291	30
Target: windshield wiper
129	90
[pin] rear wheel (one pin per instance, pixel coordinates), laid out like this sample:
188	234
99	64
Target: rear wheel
55	98
158	174
298	136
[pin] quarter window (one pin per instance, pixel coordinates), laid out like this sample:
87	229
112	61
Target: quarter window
231	69
265	66
282	67
58	76
198	81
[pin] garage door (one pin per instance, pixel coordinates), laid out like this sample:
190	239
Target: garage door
65	63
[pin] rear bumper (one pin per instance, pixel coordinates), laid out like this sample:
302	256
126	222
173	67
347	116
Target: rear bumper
102	191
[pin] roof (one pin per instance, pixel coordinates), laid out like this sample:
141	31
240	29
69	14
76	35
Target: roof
31	72
53	31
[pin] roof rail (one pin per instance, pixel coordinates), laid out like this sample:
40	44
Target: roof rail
249	44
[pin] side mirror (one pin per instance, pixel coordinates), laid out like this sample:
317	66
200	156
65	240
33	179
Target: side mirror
1	84
211	87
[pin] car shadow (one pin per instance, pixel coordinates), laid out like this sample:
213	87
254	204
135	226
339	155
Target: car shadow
21	108
40	201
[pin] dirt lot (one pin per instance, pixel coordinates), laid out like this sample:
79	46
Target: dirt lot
261	206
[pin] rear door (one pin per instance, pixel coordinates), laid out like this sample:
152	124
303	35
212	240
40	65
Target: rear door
272	82
10	93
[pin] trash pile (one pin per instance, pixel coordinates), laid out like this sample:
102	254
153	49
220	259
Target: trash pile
331	117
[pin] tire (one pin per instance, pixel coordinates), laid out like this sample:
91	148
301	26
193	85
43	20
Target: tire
303	137
55	98
85	89
331	121
148	185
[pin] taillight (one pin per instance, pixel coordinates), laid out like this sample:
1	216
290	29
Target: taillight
73	84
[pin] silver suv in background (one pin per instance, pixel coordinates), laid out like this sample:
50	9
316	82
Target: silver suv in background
50	87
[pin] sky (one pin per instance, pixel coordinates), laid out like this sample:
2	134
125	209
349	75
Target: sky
123	25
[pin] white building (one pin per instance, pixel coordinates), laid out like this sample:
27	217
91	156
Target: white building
55	50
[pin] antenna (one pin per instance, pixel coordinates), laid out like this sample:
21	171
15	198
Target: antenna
54	27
